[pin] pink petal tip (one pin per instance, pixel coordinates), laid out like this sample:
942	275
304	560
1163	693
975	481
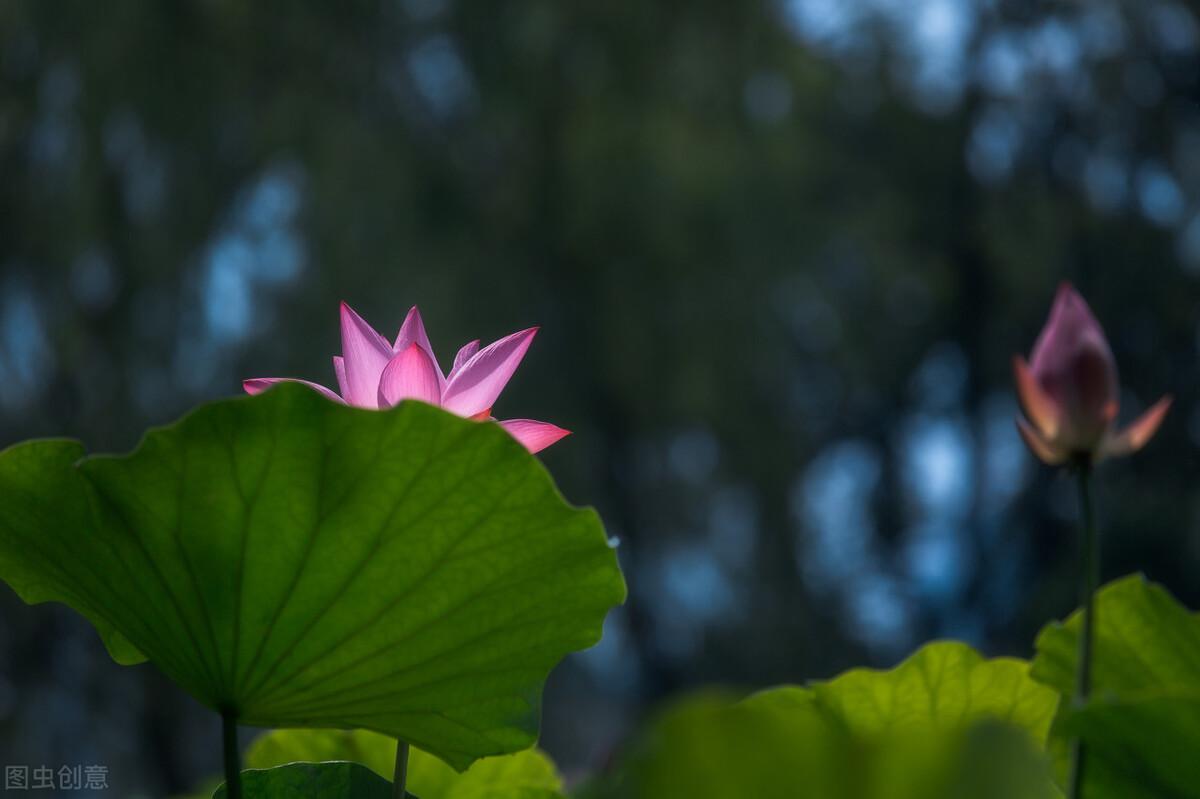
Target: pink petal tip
478	382
535	436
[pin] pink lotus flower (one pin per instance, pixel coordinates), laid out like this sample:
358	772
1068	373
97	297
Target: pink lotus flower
1069	393
374	374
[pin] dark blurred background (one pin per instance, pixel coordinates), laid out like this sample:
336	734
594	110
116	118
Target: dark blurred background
781	251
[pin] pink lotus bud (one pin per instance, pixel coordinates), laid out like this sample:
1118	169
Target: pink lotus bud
1069	393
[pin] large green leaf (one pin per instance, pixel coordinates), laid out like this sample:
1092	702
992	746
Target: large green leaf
1142	727
523	775
1144	639
43	492
946	723
945	685
313	781
298	563
1140	748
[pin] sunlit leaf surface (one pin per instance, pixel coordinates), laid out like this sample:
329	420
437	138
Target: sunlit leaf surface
523	775
1142	727
945	685
944	724
295	562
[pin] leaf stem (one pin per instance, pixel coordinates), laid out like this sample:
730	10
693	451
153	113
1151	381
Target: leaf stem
233	764
1090	564
400	776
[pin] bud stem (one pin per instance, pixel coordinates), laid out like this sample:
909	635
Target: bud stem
1090	563
400	776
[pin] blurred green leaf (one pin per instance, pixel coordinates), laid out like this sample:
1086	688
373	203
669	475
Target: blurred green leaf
523	775
313	781
945	685
1144	639
296	562
1140	748
376	752
1142	727
944	723
710	746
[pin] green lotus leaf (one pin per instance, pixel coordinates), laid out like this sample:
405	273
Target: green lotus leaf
292	562
710	747
945	685
1139	748
43	491
314	781
944	724
1142	725
523	775
1144	641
